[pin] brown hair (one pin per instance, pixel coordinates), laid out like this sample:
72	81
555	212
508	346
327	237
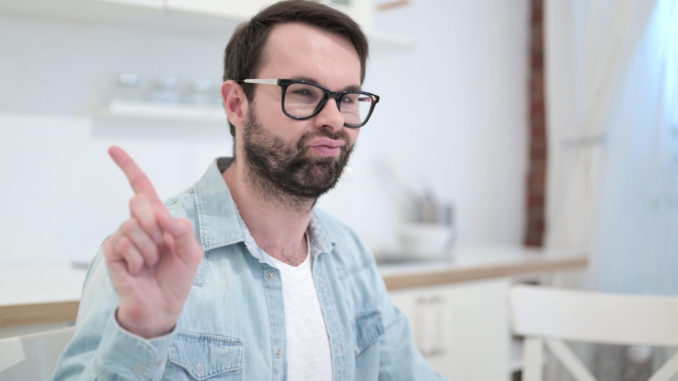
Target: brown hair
242	56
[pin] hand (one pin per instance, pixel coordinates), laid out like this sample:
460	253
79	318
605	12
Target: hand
152	259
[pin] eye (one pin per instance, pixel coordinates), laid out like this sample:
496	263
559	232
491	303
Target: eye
303	92
349	98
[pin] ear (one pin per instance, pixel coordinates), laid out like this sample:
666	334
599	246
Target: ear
235	102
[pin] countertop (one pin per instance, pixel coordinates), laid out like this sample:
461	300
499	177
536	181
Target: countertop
50	293
478	262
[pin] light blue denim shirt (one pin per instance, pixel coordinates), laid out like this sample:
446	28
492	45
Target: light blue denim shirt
232	326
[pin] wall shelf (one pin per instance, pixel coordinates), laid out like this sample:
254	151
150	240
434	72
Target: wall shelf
161	112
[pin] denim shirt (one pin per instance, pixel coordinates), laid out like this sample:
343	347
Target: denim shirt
232	326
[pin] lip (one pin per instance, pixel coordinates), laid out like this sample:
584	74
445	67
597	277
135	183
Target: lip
326	142
326	146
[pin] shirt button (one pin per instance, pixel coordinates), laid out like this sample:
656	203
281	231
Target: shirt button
200	369
270	275
278	353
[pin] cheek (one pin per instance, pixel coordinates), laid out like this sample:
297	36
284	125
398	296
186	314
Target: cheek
280	126
353	134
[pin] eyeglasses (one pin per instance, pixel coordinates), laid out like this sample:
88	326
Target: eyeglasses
303	100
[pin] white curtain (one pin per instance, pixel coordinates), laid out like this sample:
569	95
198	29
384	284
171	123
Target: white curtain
635	246
612	104
588	48
613	126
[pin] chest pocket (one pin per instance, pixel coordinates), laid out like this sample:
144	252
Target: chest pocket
368	328
196	356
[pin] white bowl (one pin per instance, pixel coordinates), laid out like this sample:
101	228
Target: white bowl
425	240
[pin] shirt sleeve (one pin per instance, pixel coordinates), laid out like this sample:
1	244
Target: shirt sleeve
100	349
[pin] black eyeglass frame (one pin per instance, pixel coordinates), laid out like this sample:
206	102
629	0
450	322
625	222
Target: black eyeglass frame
327	94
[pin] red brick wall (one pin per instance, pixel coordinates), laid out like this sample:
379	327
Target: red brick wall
536	177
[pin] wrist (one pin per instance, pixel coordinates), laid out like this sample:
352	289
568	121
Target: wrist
145	327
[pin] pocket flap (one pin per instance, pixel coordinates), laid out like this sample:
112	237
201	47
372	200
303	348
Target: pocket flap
204	356
368	328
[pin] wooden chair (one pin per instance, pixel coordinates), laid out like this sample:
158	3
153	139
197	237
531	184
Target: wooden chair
32	356
547	316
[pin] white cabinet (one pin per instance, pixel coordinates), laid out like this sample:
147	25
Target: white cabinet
157	4
225	8
461	329
202	17
362	11
459	310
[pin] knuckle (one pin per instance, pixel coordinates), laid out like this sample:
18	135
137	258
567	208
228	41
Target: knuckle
129	226
149	247
136	201
153	251
135	261
108	247
122	245
140	181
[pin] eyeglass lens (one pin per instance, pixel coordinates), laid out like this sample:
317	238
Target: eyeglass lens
301	100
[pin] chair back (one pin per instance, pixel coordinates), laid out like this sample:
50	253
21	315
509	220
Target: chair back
548	316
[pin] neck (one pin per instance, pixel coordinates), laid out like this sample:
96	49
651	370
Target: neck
276	220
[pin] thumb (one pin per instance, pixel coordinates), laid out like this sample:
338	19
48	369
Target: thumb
185	243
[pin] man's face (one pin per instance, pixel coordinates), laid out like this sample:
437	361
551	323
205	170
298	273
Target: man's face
303	158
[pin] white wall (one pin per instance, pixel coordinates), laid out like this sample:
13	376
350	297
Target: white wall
452	115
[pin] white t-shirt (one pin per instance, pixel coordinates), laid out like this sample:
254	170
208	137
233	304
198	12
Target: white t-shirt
308	347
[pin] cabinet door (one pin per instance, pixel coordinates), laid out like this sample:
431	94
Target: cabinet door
361	11
461	330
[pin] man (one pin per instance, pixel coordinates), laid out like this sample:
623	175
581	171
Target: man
239	277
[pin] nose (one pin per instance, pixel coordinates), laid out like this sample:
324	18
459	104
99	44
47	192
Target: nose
330	116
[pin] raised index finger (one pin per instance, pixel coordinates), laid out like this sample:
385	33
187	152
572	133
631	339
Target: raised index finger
136	177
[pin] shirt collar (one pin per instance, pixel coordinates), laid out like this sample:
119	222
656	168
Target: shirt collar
220	224
320	242
216	211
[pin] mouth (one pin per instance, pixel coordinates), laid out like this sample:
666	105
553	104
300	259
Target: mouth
326	146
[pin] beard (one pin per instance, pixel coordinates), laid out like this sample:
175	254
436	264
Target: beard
278	168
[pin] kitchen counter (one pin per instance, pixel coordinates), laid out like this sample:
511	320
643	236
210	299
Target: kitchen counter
50	293
471	263
40	293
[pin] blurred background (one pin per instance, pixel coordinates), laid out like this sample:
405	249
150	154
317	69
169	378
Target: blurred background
534	123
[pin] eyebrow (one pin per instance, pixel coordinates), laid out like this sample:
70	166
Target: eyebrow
312	80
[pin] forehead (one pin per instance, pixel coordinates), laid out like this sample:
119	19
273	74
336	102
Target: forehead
300	50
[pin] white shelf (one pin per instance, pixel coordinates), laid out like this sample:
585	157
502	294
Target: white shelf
160	112
155	14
